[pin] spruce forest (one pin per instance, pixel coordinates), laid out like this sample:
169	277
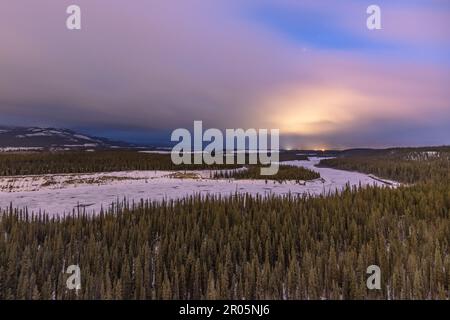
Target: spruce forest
244	247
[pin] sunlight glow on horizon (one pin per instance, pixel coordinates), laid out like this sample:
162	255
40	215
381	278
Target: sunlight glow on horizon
313	111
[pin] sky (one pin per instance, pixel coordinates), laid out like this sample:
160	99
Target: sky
139	69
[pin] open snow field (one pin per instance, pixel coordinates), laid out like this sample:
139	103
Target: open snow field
59	194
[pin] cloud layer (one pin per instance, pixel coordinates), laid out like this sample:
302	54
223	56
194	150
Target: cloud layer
310	68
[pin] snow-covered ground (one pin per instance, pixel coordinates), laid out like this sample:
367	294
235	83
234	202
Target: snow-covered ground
59	194
15	149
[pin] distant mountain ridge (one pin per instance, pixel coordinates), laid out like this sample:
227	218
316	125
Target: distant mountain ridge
24	138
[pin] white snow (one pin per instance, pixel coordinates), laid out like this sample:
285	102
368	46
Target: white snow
14	149
80	136
39	134
423	156
156	151
59	194
36	132
56	132
88	145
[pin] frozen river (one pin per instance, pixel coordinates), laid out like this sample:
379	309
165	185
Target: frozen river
59	194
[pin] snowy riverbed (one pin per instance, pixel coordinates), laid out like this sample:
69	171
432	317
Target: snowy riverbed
59	194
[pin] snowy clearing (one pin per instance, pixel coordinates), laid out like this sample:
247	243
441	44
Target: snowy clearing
16	149
59	194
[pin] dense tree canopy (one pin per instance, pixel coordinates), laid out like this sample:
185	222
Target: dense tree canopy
285	172
102	161
243	247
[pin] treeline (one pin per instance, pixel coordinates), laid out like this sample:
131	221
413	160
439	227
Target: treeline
292	155
102	161
399	153
89	162
285	173
237	248
402	169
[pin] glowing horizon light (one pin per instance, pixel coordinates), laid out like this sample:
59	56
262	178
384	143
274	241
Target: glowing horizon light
317	110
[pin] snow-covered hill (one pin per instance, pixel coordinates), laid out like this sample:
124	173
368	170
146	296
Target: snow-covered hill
22	139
